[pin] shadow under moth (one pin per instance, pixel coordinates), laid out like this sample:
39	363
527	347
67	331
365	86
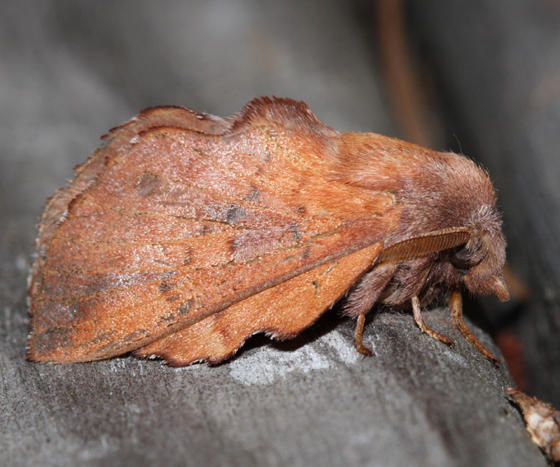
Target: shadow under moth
186	233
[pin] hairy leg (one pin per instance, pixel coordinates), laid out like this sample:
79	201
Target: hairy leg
456	305
362	298
359	334
416	310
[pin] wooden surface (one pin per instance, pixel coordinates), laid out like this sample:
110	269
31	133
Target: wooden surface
71	70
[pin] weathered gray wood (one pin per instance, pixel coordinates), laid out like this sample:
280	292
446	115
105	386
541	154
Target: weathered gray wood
69	71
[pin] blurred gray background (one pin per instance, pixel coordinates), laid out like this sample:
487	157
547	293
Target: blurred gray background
487	77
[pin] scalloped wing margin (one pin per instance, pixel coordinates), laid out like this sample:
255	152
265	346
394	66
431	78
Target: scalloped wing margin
171	222
282	311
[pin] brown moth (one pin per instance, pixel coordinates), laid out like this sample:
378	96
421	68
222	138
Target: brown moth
186	233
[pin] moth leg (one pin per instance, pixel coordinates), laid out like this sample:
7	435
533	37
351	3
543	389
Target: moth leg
359	334
456	305
416	310
362	298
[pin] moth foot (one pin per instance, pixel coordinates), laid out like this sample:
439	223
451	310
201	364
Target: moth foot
424	327
359	335
366	351
456	305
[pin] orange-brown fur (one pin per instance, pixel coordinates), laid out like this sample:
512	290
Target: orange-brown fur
438	191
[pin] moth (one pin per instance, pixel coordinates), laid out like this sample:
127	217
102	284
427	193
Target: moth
186	233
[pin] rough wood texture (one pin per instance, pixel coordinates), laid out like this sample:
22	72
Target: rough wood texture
68	69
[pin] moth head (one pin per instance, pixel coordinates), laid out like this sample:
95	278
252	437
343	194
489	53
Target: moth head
481	261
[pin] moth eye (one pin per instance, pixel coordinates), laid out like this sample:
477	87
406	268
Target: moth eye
468	255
